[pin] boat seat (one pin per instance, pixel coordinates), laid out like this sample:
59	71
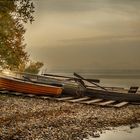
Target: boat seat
133	89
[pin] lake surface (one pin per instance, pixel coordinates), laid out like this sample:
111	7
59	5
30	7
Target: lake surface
119	133
119	78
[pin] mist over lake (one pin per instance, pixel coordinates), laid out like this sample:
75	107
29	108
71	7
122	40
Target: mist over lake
91	34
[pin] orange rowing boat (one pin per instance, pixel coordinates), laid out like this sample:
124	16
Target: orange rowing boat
18	85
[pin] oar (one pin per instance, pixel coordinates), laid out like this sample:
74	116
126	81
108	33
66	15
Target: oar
52	75
77	75
93	80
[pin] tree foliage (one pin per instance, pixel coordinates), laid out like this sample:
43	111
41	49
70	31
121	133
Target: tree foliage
34	67
13	15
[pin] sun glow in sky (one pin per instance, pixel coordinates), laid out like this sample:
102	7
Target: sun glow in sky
86	34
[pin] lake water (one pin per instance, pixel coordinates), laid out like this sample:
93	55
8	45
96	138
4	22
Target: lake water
119	133
117	78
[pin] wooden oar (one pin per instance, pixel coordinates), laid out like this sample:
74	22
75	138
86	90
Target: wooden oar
93	80
52	75
80	77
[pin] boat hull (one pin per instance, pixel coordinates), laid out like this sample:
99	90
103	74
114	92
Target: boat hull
11	84
111	95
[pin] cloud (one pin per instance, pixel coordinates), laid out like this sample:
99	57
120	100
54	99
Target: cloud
67	5
86	33
101	55
57	6
99	38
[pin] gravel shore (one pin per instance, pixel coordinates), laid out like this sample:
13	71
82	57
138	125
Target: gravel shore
25	118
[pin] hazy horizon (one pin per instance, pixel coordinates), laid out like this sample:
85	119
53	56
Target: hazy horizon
85	34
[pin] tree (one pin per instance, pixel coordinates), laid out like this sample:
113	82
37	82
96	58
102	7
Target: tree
34	67
13	14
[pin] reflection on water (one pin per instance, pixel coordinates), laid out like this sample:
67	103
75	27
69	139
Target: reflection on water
120	133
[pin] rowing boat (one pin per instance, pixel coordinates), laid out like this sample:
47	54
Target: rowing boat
76	87
28	87
114	93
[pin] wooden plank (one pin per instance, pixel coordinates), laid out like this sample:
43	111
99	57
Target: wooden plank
45	97
31	95
3	91
106	102
64	98
120	104
79	99
17	93
92	101
27	95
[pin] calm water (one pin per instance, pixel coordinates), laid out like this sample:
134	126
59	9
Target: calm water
110	78
120	133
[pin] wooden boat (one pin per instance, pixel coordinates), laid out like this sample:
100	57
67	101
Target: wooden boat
116	94
19	85
49	78
42	85
70	84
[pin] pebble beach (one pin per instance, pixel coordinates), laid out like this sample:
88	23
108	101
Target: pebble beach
23	118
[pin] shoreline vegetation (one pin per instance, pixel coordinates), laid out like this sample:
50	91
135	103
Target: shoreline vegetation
25	118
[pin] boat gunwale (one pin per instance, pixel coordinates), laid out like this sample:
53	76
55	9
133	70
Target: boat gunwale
28	82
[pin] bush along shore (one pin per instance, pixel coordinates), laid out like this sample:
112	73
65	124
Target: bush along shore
24	118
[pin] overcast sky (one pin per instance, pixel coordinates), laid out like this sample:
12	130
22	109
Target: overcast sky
86	34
